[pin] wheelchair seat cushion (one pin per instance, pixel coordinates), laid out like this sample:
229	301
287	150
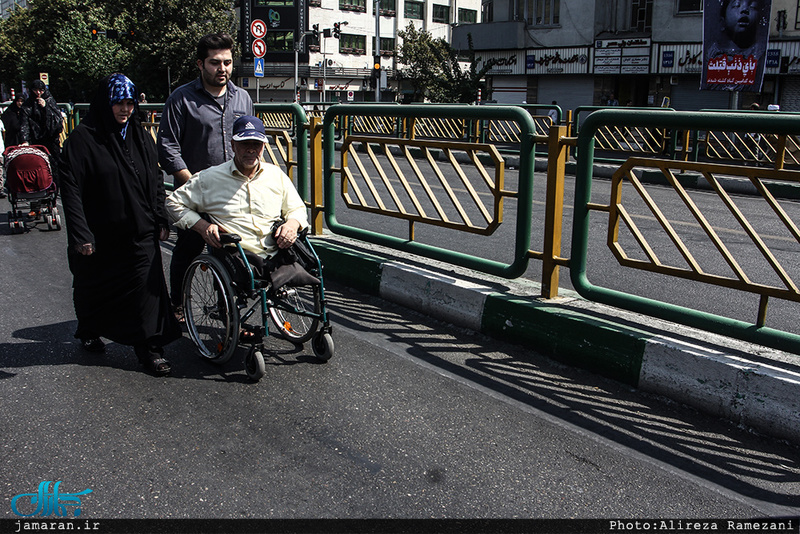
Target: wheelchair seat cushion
267	270
292	274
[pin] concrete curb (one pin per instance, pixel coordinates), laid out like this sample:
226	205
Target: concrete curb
747	384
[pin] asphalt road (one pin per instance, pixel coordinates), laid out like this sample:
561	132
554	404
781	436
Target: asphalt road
412	418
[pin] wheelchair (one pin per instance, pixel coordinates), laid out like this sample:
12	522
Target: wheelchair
217	306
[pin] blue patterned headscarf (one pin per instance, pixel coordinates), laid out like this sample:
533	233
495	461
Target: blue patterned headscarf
120	88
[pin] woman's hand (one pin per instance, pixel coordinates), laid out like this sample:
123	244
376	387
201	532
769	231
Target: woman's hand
87	249
163	235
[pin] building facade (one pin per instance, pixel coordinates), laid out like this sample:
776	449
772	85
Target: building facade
336	65
625	52
7	6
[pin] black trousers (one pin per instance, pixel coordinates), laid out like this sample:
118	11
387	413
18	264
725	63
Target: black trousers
188	245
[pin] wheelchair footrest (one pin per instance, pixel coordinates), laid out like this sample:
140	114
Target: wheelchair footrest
251	335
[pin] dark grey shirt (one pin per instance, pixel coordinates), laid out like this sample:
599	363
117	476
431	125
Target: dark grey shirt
195	130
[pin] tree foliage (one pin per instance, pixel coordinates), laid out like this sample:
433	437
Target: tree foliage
53	36
437	71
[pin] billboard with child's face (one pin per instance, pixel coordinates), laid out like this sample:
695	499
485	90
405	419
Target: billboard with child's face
735	34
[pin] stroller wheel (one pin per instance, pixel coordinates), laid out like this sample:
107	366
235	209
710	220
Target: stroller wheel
48	219
56	219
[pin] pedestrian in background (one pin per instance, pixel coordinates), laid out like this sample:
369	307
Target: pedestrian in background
42	121
113	198
12	120
193	135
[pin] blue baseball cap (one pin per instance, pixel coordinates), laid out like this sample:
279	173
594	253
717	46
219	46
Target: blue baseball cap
247	128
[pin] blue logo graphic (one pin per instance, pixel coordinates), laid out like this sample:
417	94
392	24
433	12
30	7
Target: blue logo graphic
49	503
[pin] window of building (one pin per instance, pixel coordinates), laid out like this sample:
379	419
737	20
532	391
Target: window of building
350	43
543	12
414	10
469	16
642	15
278	41
388	7
797	17
441	14
387	46
487	11
353	5
690	6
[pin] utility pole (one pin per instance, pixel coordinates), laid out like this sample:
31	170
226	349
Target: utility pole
377	52
297	46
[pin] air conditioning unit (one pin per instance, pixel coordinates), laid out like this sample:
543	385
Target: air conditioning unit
673	80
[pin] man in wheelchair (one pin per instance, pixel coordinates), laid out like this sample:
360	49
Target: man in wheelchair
251	216
246	196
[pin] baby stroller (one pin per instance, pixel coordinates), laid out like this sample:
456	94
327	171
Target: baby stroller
31	189
217	291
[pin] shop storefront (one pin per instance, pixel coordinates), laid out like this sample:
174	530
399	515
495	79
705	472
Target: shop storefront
677	71
560	75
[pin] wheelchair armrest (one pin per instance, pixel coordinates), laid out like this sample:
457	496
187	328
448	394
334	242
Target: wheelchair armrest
227	239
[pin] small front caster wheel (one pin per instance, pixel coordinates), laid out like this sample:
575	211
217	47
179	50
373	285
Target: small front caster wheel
322	345
254	365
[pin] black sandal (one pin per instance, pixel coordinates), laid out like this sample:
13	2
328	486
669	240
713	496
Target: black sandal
93	344
153	360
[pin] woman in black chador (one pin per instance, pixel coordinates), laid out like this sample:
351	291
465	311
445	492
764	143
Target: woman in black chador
42	121
113	198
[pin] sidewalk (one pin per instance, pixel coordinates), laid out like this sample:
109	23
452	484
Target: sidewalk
748	384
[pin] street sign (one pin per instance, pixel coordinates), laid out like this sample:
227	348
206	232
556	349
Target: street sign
259	48
45	78
258	29
258	67
350	95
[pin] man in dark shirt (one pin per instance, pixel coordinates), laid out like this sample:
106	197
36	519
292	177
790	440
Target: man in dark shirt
194	135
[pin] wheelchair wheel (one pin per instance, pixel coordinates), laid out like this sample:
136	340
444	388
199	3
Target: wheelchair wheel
323	346
293	326
254	365
212	317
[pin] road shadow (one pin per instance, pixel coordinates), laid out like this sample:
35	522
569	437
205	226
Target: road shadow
712	449
54	344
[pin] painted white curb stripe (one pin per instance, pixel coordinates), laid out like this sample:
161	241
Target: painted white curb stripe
727	385
437	295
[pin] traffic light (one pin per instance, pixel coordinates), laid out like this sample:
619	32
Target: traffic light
337	29
376	68
132	34
94	31
315	30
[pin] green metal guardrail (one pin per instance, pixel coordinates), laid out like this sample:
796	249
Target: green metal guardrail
297	124
753	332
624	141
525	194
